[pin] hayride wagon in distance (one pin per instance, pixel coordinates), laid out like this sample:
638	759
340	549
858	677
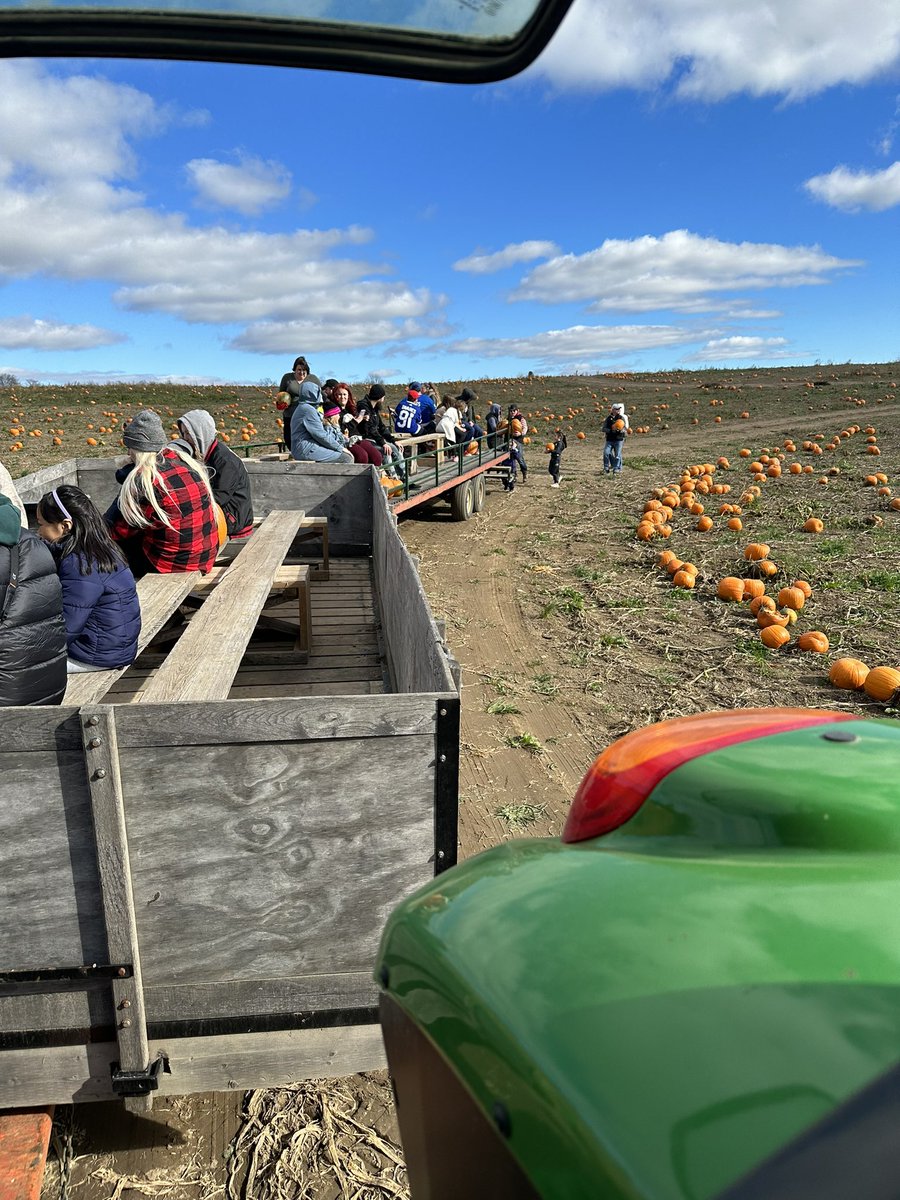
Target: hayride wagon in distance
198	853
694	994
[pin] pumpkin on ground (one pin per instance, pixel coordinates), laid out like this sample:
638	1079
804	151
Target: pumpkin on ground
759	603
756	551
882	683
813	525
774	636
803	586
684	579
767	616
753	588
814	641
792	597
730	588
848	673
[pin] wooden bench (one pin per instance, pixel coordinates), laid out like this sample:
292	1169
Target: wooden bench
407	444
288	583
315	527
159	596
203	664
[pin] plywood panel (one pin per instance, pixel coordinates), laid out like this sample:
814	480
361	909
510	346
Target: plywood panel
49	891
276	859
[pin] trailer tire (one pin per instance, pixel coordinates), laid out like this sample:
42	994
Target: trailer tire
478	493
461	501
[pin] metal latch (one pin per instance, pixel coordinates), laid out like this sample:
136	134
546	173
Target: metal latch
139	1083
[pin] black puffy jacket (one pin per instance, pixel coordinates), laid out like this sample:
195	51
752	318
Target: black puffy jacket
32	632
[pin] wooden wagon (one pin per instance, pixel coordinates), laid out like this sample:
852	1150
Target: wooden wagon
197	855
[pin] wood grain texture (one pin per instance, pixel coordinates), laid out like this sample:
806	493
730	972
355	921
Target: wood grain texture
274	860
32	487
159	597
206	659
39	729
233	722
49	886
73	1074
412	642
113	860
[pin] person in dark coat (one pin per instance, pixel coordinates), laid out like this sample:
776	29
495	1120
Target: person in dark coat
100	601
32	633
228	476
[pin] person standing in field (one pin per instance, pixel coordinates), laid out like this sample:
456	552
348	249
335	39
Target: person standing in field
556	452
518	428
615	427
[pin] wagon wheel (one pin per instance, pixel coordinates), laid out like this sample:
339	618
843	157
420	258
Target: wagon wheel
462	501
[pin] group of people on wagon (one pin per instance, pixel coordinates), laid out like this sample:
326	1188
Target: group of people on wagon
68	593
327	423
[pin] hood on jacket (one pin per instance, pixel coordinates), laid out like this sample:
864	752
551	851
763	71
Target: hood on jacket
10	522
310	392
200	429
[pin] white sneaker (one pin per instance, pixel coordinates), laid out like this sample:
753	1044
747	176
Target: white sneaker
554	485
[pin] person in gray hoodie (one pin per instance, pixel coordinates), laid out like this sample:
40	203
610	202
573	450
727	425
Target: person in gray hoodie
228	476
311	439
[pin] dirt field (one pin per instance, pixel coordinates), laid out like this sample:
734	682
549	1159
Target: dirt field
570	635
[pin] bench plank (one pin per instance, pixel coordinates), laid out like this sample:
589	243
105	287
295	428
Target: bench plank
159	596
205	661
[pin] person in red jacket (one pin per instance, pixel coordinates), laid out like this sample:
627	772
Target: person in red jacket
165	514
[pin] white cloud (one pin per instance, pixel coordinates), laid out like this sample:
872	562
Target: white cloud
853	190
679	271
580	343
517	252
708	49
78	222
249	185
754	349
28	333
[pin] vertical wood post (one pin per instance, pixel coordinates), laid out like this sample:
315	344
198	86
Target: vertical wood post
102	761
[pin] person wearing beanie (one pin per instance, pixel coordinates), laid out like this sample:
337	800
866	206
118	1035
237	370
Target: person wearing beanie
312	438
227	474
32	631
165	513
616	429
374	428
8	489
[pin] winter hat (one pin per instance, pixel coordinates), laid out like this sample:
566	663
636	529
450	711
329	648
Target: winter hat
331	383
332	410
144	432
468	395
414	387
376	392
10	524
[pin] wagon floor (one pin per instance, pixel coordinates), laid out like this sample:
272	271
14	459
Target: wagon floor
345	656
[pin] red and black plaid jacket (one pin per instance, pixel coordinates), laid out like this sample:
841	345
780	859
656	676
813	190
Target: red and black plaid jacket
193	541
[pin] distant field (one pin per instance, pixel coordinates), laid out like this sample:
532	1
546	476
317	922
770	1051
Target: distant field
41	425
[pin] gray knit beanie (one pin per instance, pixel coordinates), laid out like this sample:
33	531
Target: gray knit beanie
144	432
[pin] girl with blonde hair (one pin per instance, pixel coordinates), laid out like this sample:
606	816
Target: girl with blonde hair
165	514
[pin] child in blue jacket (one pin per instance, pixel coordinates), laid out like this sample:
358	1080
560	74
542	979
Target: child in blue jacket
100	602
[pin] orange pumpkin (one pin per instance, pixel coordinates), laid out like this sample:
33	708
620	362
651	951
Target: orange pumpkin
756	551
760	603
813	525
754	588
814	641
766	617
767	567
848	673
882	683
730	588
684	579
792	597
774	636
803	586
704	524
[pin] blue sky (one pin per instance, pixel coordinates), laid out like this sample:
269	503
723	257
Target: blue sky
690	184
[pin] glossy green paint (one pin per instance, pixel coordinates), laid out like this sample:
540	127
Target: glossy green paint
662	1008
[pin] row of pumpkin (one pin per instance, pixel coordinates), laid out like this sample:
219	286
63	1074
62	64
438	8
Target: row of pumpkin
775	616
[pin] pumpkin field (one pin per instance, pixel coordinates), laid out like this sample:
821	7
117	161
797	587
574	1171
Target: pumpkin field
751	544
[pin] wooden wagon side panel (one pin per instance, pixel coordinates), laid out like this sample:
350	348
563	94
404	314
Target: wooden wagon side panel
417	658
269	841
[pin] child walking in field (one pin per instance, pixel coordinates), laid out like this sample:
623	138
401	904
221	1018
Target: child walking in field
99	598
556	452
